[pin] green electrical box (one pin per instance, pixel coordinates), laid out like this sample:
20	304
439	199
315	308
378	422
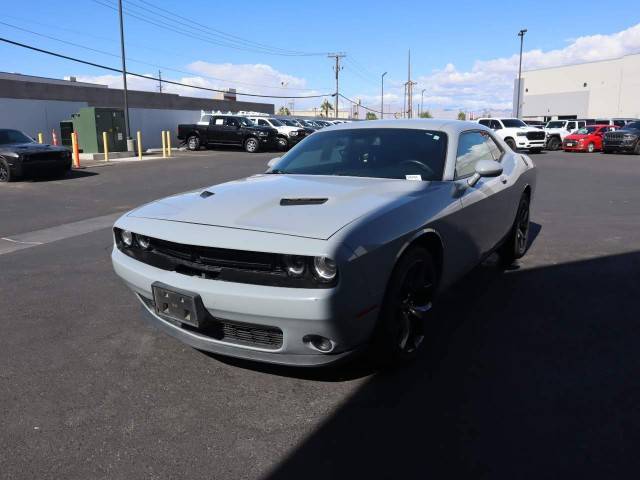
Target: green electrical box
90	122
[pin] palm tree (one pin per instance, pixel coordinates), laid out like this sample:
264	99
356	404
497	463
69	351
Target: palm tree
284	111
325	107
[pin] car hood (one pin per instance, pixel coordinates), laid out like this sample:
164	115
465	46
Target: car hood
30	148
300	205
577	136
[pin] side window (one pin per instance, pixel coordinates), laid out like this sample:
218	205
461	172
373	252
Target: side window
571	126
484	122
495	125
581	124
218	121
232	122
472	146
263	122
618	123
496	153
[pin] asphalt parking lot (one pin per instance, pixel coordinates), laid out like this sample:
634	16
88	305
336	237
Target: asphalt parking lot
531	372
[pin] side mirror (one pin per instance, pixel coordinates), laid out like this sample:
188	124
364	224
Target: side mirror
485	168
272	162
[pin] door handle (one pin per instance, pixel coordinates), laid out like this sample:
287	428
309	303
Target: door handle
503	178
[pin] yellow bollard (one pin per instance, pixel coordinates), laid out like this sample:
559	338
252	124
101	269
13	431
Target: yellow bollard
168	143
139	137
75	149
106	146
164	146
40	138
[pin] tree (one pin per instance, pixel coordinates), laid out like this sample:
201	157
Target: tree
325	107
426	114
284	111
462	116
371	116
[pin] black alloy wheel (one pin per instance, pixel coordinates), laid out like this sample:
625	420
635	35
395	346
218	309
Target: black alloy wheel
518	240
404	316
5	172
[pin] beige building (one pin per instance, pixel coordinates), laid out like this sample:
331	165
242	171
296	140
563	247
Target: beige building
602	89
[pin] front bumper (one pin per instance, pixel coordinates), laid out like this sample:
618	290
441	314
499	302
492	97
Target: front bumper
619	145
296	312
20	168
525	143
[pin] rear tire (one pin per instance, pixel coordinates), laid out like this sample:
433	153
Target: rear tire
512	144
5	172
251	145
402	324
515	246
554	143
193	143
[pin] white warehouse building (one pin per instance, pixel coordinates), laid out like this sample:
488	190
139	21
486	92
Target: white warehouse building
602	89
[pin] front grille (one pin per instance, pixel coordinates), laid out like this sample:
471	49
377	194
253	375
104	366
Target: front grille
535	135
238	333
42	156
217	257
614	136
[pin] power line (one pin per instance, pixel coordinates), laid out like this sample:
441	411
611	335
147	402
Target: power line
149	77
198	33
147	63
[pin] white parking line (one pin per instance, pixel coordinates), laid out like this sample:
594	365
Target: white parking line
53	234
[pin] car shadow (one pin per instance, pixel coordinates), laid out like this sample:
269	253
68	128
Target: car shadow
533	374
71	175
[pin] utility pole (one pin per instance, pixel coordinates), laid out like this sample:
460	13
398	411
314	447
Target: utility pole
409	90
337	69
382	97
421	102
160	81
521	35
124	81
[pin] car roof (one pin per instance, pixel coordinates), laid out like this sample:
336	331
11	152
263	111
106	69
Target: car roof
450	127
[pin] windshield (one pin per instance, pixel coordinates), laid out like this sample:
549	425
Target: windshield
305	123
369	152
14	136
633	125
555	124
289	123
586	130
513	123
244	121
275	122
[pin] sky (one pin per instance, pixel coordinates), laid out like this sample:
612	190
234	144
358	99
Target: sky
464	54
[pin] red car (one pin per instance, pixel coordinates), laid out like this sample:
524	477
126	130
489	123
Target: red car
587	139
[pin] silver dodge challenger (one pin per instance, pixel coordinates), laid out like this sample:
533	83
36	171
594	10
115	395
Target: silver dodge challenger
342	245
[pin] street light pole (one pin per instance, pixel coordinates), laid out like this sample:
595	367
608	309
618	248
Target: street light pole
521	35
421	102
124	80
382	97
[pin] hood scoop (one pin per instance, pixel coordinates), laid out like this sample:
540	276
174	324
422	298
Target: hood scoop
206	194
286	202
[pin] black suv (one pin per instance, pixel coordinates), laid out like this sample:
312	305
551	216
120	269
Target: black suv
626	139
228	130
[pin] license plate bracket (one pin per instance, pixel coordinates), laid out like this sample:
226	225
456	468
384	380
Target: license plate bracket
178	305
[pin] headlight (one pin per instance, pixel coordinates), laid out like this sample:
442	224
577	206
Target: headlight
521	134
143	241
325	268
294	265
127	237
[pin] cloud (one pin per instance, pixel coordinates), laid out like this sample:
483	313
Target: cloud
251	78
488	85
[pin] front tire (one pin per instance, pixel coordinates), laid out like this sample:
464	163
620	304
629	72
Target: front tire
193	143
283	144
5	172
515	246
554	143
403	318
251	145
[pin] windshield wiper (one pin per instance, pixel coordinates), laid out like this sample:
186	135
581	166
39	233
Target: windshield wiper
276	171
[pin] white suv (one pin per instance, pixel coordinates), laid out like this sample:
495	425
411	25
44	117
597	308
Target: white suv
556	130
287	136
516	133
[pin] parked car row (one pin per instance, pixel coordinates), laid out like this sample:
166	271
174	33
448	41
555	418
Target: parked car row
251	132
584	135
